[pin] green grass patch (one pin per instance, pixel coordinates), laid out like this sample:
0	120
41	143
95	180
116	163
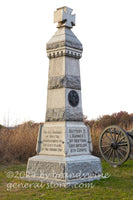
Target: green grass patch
119	185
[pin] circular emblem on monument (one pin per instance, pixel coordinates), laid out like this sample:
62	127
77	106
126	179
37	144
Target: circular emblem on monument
73	98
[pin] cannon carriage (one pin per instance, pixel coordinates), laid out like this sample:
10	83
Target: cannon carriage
115	145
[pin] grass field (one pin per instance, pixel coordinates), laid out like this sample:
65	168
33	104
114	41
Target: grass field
119	185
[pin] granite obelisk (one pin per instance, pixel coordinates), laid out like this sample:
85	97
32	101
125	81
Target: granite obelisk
64	142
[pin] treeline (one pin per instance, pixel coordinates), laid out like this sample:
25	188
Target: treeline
19	143
122	119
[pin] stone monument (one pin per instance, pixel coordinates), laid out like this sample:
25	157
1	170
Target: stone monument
64	143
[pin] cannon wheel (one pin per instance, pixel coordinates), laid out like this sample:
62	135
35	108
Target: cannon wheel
114	145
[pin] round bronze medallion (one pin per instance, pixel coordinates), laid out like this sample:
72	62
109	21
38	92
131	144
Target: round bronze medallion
73	98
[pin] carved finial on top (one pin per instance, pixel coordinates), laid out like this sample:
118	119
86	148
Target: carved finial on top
64	17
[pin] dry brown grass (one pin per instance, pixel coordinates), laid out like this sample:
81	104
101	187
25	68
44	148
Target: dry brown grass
19	143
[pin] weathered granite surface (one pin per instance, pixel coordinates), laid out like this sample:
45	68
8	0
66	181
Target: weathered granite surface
64	37
68	170
59	108
64	114
72	82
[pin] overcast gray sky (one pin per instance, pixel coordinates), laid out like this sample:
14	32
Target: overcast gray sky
105	28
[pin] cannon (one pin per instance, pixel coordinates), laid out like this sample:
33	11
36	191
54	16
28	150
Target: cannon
115	145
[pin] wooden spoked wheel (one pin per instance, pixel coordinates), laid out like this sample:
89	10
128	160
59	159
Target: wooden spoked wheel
114	145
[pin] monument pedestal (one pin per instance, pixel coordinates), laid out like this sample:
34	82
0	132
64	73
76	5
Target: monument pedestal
64	155
64	171
64	143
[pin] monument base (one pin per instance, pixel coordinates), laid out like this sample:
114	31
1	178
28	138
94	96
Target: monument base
64	171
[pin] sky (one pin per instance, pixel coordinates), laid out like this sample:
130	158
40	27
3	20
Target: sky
104	27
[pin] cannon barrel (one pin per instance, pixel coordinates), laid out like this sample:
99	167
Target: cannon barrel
130	134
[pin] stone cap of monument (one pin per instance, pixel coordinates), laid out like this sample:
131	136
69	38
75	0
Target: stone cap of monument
64	37
64	17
